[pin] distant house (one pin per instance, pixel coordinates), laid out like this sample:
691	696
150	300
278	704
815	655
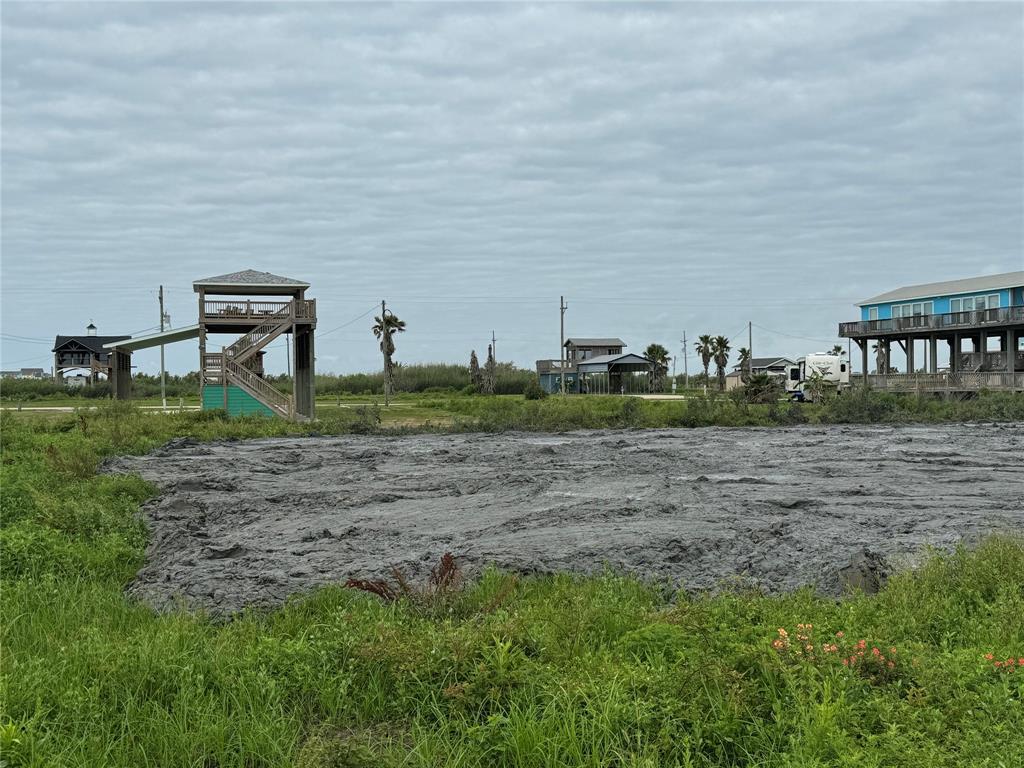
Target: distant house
773	366
597	366
917	319
82	353
24	373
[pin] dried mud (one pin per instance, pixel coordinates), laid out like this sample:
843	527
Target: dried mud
253	522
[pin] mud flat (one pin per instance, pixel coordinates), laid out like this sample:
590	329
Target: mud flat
250	523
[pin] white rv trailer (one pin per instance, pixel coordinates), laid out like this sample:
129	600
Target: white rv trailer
820	367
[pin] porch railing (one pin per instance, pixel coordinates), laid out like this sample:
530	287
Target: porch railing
947	382
923	323
230	311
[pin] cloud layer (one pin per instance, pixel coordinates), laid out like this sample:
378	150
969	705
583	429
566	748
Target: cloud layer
666	167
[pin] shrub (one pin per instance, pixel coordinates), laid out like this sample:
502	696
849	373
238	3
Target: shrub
533	390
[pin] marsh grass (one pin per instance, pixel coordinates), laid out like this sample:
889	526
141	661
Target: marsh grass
557	670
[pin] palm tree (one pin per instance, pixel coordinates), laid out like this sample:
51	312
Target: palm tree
475	377
384	328
879	349
658	355
838	350
705	348
745	367
720	350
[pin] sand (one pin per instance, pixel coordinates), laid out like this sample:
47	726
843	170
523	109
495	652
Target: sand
250	523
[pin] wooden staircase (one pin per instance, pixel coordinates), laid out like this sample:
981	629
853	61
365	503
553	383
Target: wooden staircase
234	365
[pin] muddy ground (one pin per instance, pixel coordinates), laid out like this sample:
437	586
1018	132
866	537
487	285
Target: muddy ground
250	523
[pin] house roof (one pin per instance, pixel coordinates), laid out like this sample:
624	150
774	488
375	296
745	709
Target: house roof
768	362
249	279
579	341
949	288
92	343
606	361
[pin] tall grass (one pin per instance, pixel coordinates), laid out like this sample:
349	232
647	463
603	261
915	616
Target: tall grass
541	671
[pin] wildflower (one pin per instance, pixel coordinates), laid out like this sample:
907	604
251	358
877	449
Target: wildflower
875	652
892	650
778	645
811	648
997	664
1020	661
989	657
846	662
891	665
1010	662
783	632
839	634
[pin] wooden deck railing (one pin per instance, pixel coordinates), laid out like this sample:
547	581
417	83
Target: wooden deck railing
925	323
259	388
947	382
231	311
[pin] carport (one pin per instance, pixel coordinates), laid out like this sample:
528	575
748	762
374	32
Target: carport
121	355
625	374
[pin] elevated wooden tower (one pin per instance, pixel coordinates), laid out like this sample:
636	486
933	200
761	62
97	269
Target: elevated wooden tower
232	375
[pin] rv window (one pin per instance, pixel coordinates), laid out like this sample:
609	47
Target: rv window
842	368
794	374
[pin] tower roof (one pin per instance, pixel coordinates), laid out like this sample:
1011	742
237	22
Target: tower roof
249	281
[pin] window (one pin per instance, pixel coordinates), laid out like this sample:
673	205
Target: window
993	301
968	305
872	313
954	305
979	303
917	309
928	308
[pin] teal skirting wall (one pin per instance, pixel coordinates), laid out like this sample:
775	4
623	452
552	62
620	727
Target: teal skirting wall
240	402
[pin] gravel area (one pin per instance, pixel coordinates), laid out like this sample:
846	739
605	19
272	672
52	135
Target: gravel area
253	522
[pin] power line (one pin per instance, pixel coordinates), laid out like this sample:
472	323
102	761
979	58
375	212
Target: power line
792	336
350	322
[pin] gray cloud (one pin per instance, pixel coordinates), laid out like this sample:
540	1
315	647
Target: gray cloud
666	167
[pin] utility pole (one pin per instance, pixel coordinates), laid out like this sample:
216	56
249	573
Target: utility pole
384	346
494	348
561	308
163	377
686	365
750	348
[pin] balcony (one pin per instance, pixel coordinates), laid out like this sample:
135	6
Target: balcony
235	312
927	324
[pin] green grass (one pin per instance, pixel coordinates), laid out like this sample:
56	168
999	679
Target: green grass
543	671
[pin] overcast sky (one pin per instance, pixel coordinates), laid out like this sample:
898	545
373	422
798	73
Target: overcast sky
668	168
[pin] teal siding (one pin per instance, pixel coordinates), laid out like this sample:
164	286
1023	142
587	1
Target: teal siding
940	304
240	402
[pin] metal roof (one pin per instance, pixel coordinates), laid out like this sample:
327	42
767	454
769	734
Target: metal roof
131	344
606	361
578	341
949	288
250	278
92	343
767	362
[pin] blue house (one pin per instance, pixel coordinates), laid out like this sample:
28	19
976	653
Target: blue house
985	313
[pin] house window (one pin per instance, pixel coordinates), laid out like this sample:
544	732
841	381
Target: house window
954	305
979	303
968	305
872	313
993	301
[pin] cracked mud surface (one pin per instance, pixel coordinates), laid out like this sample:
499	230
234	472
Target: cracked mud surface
250	523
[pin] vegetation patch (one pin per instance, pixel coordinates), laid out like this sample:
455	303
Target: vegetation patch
542	671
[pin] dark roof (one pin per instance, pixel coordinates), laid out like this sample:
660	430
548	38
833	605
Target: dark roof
252	277
765	362
949	288
578	341
92	343
608	360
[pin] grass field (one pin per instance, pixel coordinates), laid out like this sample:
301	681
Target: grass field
506	671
